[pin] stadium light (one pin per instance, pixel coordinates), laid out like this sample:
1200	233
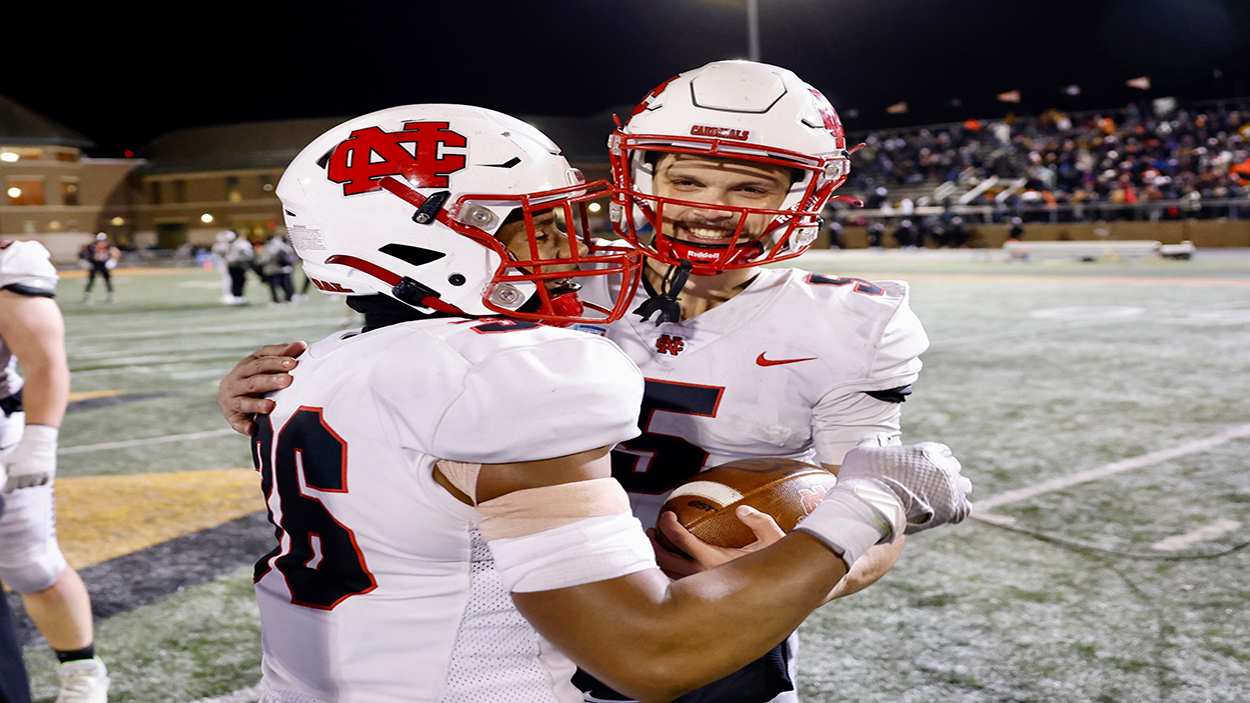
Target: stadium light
207	218
9	156
14	192
594	207
753	30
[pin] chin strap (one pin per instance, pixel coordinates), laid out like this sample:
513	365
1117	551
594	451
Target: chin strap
666	303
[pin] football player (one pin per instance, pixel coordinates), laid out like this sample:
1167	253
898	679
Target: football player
448	527
31	563
718	171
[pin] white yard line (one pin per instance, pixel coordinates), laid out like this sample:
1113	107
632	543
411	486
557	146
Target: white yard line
96	355
243	695
113	369
145	441
188	331
215	373
1117	467
1201	534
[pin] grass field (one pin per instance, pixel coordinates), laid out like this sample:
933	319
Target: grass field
1104	404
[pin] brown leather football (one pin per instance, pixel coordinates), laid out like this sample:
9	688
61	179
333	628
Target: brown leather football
784	488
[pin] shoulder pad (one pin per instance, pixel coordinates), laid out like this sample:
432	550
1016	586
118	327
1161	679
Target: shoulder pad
26	268
567	392
872	322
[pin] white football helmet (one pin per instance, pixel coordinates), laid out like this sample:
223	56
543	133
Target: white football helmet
738	110
407	202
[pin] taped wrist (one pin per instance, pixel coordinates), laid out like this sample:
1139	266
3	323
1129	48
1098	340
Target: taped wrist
36	451
565	535
855	516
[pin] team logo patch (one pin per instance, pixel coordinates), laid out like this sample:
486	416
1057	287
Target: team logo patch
414	153
669	344
811	497
701	130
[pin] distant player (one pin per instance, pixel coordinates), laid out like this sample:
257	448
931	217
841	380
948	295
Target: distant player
101	258
240	256
454	451
220	252
31	563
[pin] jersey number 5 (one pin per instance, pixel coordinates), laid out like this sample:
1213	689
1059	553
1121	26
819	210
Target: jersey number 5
654	462
316	554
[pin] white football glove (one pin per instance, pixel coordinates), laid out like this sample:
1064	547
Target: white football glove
925	477
885	491
33	461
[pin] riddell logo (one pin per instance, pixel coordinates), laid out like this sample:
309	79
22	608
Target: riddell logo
700	130
705	255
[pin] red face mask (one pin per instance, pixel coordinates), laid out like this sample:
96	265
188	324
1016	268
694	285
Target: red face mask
556	277
787	233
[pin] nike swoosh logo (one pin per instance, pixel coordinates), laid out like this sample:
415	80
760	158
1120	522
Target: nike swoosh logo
776	362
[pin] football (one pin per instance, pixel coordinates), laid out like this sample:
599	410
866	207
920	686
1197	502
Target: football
786	489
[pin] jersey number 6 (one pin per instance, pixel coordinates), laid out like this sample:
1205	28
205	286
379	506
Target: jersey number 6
316	554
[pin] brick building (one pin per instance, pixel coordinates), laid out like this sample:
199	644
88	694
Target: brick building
189	184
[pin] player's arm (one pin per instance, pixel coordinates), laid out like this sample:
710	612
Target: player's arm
842	422
875	564
739	610
581	571
33	329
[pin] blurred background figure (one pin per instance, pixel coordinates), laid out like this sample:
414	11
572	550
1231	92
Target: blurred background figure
1016	233
277	262
835	234
955	234
905	234
239	258
876	232
221	249
101	258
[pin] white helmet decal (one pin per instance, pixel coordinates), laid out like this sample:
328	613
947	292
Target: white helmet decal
407	202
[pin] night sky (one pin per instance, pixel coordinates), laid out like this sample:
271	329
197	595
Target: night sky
123	76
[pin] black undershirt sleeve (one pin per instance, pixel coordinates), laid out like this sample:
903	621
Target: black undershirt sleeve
31	291
892	395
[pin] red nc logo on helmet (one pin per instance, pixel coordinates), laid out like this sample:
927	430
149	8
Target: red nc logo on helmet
370	154
828	115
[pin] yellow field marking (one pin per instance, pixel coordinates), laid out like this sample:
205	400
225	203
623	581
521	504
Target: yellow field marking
91	395
104	517
137	271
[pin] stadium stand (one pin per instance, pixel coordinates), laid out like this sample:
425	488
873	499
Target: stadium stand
1129	163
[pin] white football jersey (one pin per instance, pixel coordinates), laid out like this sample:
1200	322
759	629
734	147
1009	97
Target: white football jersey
380	589
779	370
25	269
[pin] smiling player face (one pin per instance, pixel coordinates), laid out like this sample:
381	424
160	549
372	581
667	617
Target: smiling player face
716	181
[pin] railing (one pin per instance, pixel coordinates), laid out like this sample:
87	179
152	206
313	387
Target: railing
1153	211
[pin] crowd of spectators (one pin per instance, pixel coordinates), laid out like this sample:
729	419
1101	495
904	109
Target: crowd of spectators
1098	165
